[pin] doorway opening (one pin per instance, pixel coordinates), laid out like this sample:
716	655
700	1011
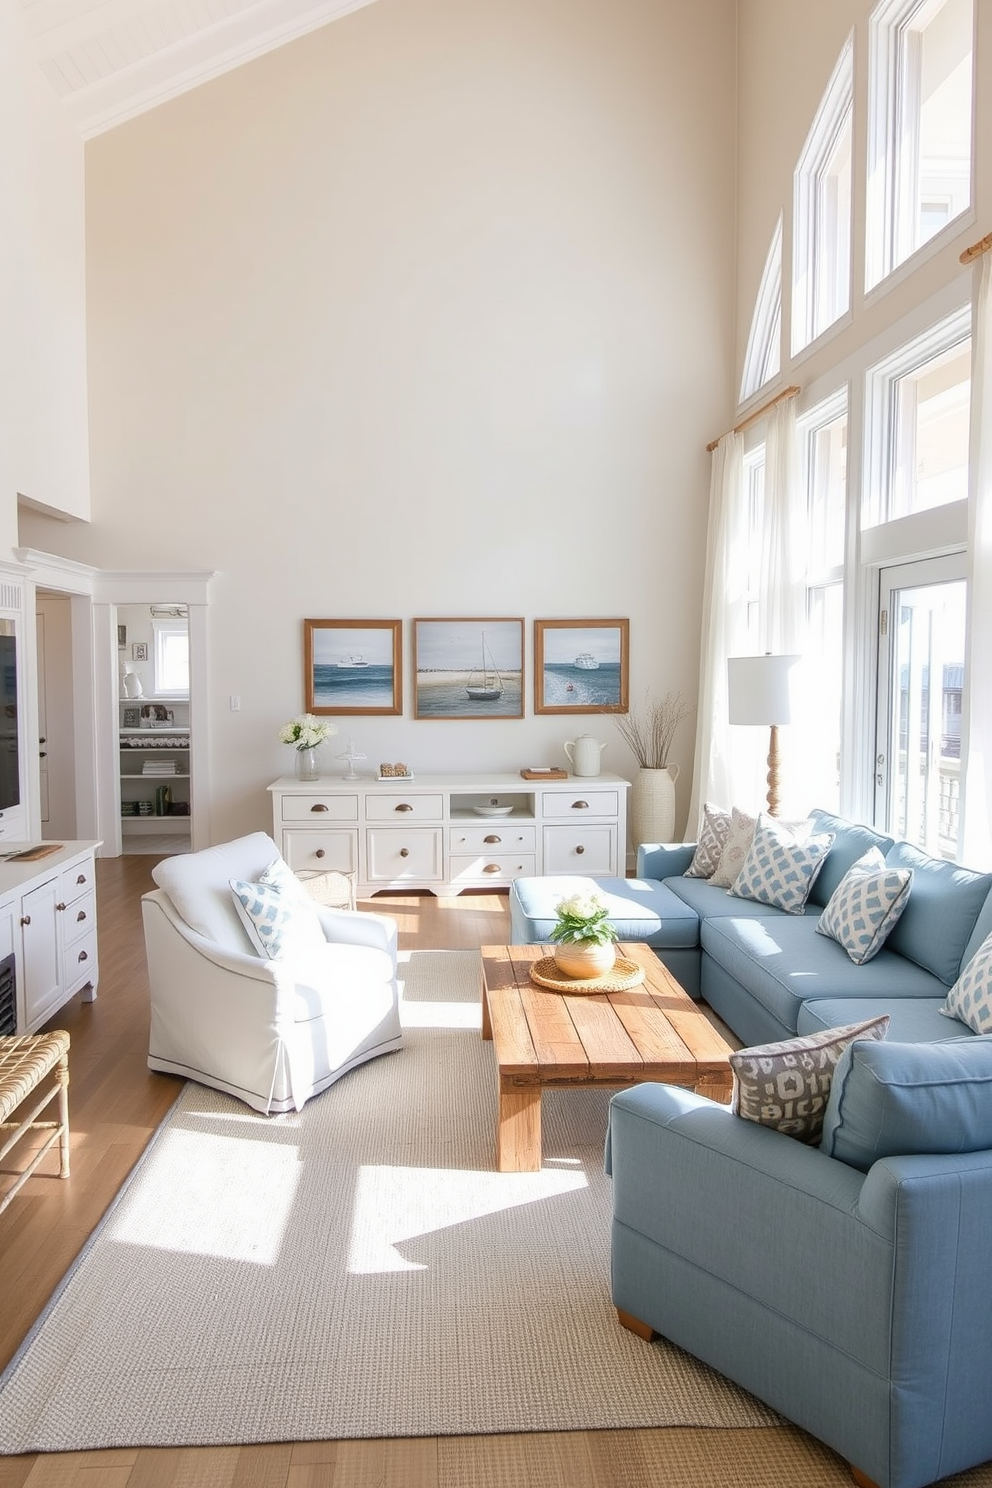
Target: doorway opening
155	777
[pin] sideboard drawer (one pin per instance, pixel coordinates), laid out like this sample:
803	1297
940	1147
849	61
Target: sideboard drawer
78	918
498	838
579	849
318	809
395	855
77	880
578	804
476	870
394	807
321	850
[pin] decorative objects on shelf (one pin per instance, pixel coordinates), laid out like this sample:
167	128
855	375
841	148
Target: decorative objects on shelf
759	692
351	755
305	733
581	666
353	666
649	734
583	936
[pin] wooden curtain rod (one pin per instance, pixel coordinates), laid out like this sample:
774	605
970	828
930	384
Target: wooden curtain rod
752	418
977	249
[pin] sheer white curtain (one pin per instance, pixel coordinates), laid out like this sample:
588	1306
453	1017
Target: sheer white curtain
975	831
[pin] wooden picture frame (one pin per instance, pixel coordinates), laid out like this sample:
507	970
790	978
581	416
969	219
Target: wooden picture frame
353	667
581	666
468	668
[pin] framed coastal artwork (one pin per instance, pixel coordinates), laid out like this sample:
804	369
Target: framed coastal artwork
581	666
468	668
353	666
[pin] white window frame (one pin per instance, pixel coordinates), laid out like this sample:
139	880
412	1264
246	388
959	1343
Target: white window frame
763	358
895	55
822	221
162	632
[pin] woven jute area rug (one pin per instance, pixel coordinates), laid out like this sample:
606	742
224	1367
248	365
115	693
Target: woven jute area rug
356	1270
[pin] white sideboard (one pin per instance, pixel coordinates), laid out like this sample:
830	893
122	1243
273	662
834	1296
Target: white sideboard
427	833
48	924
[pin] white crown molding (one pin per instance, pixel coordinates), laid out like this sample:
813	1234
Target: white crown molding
50	571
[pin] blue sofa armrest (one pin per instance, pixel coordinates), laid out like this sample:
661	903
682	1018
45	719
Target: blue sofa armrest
664	859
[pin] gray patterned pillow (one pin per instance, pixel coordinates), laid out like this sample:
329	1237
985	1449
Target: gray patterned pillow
735	848
781	864
712	837
865	905
787	1085
970	999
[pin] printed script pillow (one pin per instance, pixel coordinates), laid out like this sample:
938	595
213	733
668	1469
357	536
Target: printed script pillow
739	835
787	1085
865	905
970	999
280	917
781	864
712	838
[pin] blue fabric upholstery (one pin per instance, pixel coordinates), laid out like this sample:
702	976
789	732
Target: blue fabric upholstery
851	842
909	1098
938	921
912	1020
856	1304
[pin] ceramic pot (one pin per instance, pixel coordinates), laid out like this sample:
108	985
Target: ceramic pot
584	754
585	958
652	805
307	764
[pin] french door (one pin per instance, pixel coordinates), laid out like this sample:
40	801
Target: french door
920	686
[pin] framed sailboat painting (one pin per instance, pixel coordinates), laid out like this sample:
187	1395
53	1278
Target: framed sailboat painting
581	666
468	668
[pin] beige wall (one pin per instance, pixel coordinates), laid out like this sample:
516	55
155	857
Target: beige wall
428	313
43	436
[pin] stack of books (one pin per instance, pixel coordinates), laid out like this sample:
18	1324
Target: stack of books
159	767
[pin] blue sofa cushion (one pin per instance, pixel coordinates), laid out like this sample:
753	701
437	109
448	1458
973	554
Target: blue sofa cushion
785	1085
970	999
893	1100
944	904
781	962
865	906
640	909
912	1020
781	865
710	902
851	842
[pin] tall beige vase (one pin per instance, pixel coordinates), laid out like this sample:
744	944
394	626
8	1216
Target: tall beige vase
652	805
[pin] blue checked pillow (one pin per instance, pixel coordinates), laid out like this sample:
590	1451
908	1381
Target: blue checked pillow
865	905
280	917
970	999
781	864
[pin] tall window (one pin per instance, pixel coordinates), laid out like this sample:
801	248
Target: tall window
821	249
919	422
920	125
764	343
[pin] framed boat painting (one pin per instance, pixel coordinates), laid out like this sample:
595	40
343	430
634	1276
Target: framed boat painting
581	666
353	666
468	668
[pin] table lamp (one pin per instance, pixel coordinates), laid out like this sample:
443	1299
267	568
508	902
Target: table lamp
759	692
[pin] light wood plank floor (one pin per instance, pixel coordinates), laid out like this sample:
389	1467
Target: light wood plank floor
115	1105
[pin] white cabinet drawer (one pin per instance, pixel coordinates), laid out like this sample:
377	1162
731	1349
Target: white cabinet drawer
394	807
590	849
580	803
318	809
321	850
498	838
80	964
80	879
79	917
395	855
479	869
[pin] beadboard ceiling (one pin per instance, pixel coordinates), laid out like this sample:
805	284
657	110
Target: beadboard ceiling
109	60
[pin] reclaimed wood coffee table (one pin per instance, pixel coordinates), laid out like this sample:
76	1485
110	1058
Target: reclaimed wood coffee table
547	1040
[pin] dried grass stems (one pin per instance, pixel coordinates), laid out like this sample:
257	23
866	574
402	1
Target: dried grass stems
650	732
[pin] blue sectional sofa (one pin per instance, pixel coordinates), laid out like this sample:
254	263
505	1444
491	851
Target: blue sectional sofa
767	973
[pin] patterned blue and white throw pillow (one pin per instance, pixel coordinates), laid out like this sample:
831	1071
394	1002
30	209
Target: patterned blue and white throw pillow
865	906
278	914
970	999
781	864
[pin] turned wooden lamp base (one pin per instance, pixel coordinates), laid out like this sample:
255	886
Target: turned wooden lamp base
772	777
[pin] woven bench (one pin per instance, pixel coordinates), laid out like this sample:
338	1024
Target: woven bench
24	1063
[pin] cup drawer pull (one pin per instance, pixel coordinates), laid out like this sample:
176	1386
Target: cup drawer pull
580	805
403	806
492	838
320	807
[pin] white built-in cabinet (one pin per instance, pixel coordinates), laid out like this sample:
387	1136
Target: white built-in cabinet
153	802
48	924
428	833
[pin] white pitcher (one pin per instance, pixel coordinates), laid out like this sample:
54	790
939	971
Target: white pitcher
584	754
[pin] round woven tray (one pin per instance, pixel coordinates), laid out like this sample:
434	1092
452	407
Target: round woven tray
624	974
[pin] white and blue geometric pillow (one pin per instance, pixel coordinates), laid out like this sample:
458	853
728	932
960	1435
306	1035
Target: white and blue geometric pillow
865	906
278	914
781	865
970	999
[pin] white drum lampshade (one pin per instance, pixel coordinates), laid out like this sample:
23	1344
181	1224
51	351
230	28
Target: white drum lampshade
759	693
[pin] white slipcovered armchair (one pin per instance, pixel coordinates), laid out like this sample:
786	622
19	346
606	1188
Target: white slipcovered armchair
272	1032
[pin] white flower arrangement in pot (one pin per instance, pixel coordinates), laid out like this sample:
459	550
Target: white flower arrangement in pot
305	733
583	936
